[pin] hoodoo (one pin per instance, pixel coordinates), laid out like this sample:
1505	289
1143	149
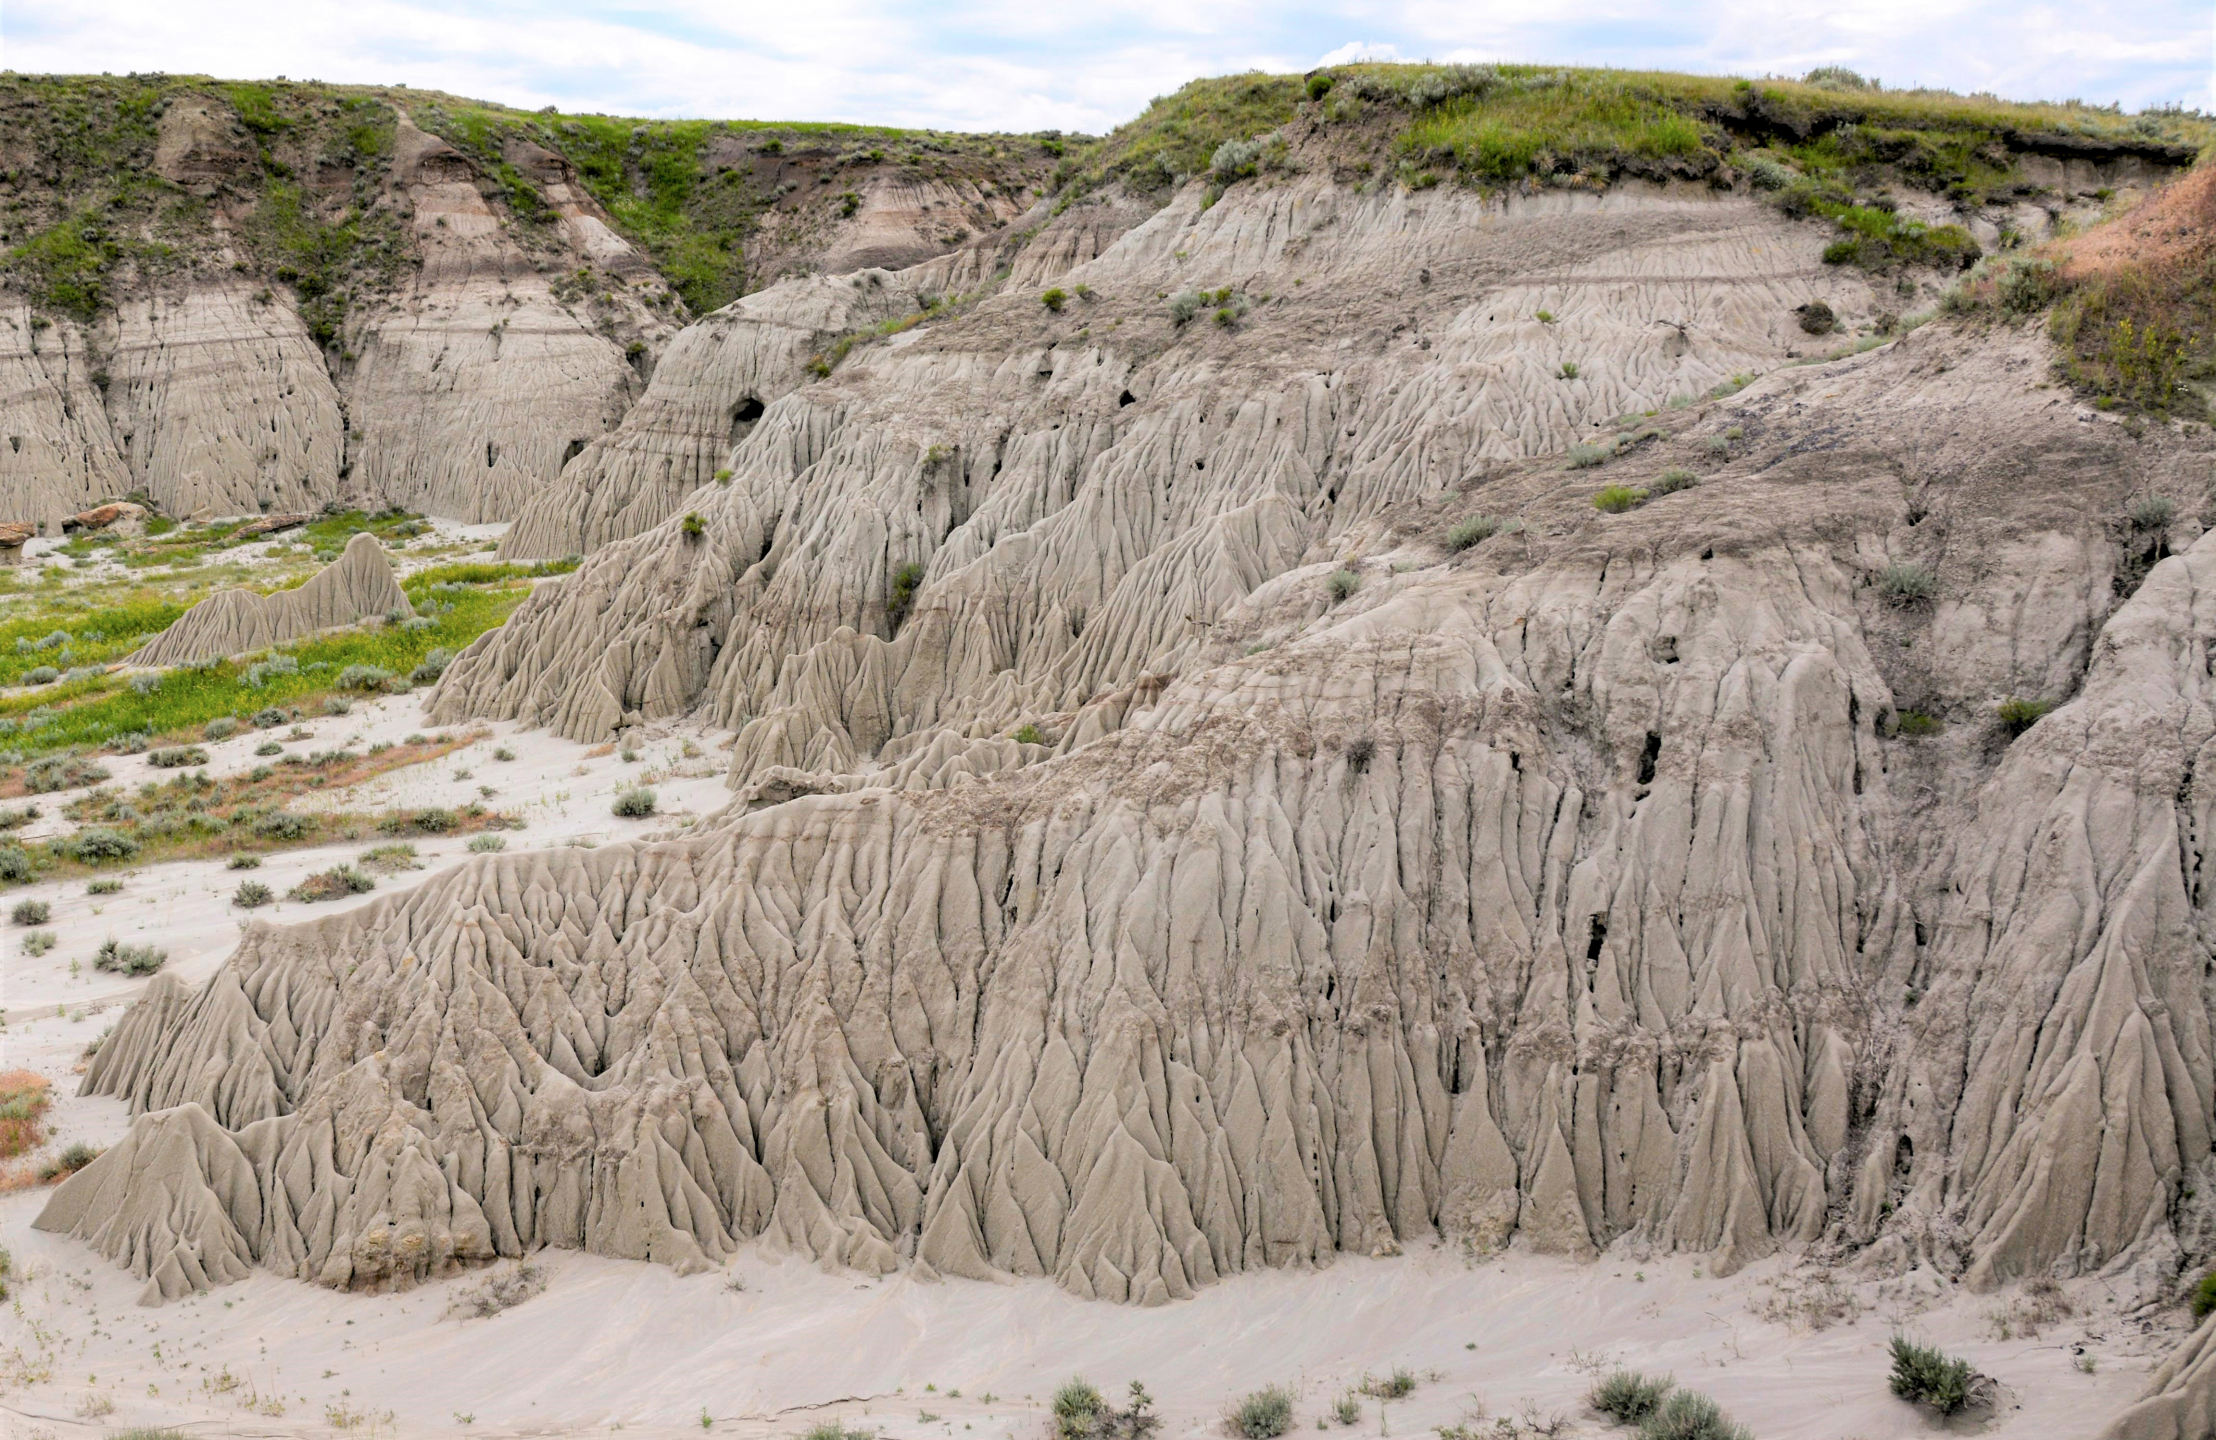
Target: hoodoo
358	584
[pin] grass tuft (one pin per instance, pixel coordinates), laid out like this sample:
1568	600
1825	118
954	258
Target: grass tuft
1628	1397
1262	1415
1923	1375
128	959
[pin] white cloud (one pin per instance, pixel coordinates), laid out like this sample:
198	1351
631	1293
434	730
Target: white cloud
1358	50
1020	65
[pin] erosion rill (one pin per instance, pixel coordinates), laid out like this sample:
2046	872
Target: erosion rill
1212	790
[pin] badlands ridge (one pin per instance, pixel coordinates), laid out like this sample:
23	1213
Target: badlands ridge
1213	792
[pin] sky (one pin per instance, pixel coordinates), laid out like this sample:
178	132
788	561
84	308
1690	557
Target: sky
1023	65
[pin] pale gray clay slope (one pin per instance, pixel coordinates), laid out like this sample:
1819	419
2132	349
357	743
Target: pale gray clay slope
359	583
709	389
463	394
1575	889
476	386
221	405
56	452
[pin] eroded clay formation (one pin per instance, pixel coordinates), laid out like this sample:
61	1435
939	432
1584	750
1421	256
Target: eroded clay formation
358	584
1571	888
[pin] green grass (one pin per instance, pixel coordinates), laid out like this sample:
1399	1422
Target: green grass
1584	118
85	145
93	711
2142	337
66	266
1177	135
663	185
1833	150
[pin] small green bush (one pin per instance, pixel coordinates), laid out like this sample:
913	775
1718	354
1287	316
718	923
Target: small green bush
1472	531
62	772
401	856
261	672
432	666
31	912
1184	305
1397	1386
96	844
503	753
1628	1397
1077	1406
336	883
1342	584
1925	1376
433	821
1690	1415
1055	299
1028	735
635	804
244	862
1670	482
15	864
2204	1296
269	717
41	675
486	844
2155	512
906	580
252	895
694	527
1347	1410
1916	725
1569	370
38	942
72	1159
2017	716
269	747
222	727
1904	583
1585	457
834	1430
363	677
1263	1415
1616	499
175	757
128	959
109	886
282	825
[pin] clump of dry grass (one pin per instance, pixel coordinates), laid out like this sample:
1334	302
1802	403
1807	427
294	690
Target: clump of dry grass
24	1099
498	1290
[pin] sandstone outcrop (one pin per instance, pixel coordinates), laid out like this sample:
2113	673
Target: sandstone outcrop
358	584
118	515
